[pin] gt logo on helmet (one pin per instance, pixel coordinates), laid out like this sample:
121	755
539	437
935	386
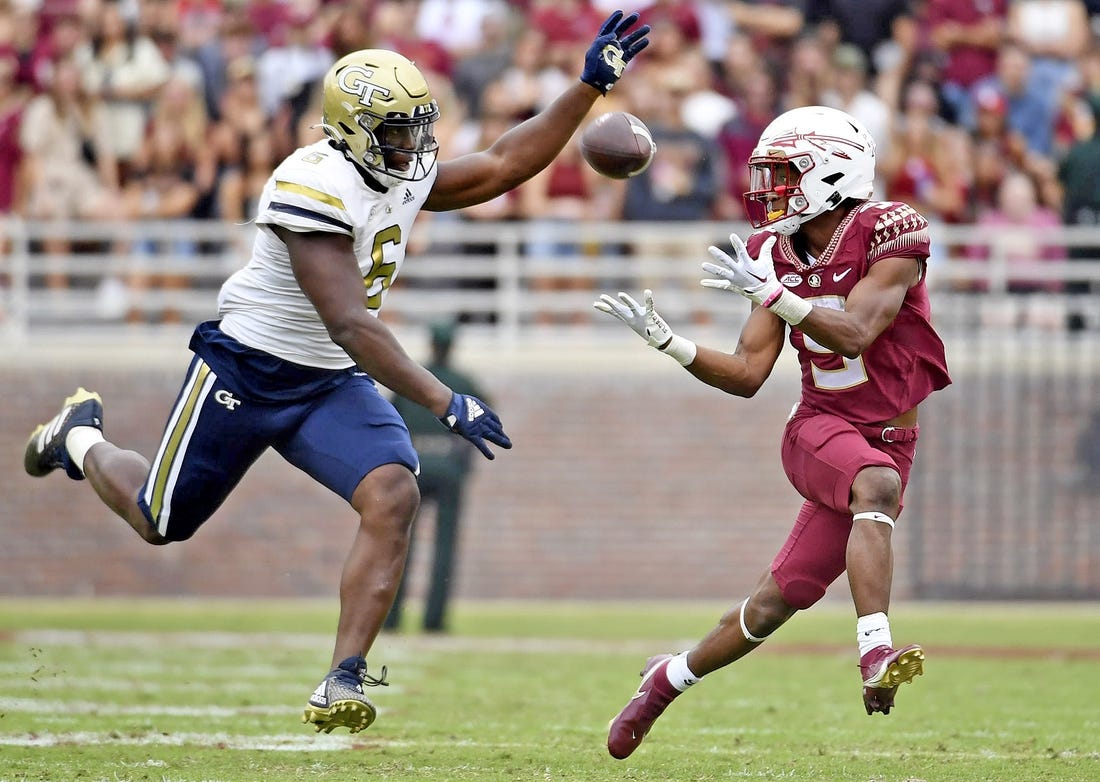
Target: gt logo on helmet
355	79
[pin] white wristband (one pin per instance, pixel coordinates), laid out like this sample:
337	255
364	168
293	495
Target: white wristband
681	349
791	307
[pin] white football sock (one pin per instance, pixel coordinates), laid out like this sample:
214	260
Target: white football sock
871	631
678	673
79	441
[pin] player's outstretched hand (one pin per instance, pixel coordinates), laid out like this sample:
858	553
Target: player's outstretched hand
648	324
645	321
606	59
753	278
473	419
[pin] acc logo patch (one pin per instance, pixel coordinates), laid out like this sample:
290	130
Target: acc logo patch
791	280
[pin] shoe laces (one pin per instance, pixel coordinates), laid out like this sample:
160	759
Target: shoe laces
372	681
356	668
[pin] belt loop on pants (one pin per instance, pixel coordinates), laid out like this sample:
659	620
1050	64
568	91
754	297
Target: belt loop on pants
889	434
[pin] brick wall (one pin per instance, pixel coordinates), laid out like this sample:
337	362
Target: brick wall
628	479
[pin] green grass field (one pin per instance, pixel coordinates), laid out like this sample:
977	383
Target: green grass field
201	691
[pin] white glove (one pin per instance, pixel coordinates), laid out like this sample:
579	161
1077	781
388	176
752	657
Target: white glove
754	278
647	324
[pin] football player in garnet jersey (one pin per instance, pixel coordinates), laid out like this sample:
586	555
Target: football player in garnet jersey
847	275
293	359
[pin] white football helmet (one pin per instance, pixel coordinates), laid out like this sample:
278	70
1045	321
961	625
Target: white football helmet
815	157
377	110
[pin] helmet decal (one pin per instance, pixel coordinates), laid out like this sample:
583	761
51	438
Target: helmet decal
818	141
357	80
808	160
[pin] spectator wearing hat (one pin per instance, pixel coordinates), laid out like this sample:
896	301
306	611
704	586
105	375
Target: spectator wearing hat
850	94
967	34
991	128
1031	105
866	24
1000	148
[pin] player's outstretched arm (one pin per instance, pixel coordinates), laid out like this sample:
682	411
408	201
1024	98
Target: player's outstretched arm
741	373
326	270
532	145
325	267
744	371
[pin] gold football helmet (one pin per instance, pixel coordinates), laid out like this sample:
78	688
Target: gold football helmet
378	111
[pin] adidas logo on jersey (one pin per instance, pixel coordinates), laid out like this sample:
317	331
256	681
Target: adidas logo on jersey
408	199
473	410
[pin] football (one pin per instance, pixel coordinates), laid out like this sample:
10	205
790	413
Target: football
617	145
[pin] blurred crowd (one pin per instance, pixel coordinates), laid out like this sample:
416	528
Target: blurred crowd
984	111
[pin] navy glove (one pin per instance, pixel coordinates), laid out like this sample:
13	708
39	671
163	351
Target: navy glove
470	417
606	58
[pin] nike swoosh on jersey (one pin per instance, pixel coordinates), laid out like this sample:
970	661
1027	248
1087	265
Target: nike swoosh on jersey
838	276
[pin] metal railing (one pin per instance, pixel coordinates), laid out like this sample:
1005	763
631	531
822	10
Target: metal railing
510	278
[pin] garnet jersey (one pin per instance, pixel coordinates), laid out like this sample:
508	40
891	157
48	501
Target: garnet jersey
316	189
906	362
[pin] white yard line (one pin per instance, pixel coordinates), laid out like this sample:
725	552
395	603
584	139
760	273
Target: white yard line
385	643
99	708
306	742
389	646
321	742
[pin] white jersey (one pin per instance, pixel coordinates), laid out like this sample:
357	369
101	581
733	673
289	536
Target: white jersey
316	189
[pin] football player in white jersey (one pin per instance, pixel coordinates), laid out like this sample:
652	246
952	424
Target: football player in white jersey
293	359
